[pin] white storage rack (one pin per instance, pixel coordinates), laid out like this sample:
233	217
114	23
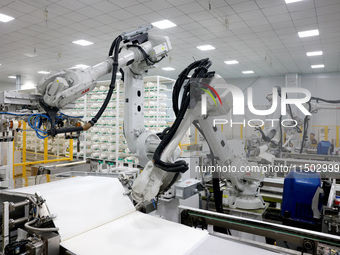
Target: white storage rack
105	142
56	146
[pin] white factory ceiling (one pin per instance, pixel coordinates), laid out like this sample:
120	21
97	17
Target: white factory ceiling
262	35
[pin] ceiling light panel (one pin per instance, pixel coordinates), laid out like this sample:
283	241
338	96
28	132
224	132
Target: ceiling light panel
80	66
231	62
317	66
28	85
31	55
292	1
43	72
205	47
83	42
5	18
168	69
163	24
12	77
247	72
314	53
309	33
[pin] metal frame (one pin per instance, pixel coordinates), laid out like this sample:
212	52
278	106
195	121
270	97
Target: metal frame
311	156
306	238
6	164
24	163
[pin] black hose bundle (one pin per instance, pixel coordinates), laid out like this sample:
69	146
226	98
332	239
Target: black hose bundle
178	166
163	133
146	57
201	67
114	48
325	100
180	107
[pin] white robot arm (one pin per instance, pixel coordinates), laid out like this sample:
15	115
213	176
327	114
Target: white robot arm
66	86
159	174
157	156
139	53
267	143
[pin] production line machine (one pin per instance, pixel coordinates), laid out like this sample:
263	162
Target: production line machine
35	223
268	144
157	153
62	218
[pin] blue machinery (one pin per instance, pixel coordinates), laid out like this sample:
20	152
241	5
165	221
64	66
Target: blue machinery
301	194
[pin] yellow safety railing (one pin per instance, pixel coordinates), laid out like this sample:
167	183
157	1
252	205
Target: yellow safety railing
183	146
24	163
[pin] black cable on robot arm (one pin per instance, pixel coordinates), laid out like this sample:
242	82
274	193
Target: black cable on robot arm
178	166
180	81
115	47
147	58
325	100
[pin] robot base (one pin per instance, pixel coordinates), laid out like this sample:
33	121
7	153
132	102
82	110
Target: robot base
246	202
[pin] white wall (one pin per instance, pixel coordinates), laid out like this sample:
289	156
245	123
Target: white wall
325	85
7	86
261	86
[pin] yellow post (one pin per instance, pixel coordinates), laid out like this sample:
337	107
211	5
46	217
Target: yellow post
46	148
326	133
13	161
24	126
71	149
337	137
195	135
284	137
241	131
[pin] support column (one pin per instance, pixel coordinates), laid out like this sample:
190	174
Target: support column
18	82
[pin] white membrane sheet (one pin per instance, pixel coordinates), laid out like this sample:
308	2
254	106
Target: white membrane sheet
94	217
136	233
215	245
83	203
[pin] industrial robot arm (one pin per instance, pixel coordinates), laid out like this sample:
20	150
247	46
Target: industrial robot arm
139	53
160	173
268	143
